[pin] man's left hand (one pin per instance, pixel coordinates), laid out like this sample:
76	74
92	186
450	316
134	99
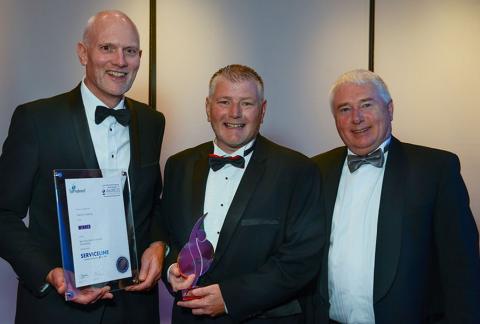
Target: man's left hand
151	267
209	301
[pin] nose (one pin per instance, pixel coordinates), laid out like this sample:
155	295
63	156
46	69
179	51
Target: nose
119	59
357	116
235	110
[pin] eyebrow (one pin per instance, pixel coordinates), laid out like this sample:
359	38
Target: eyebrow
231	98
348	104
117	45
367	99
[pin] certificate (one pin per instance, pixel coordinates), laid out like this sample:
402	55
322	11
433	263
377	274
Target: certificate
96	228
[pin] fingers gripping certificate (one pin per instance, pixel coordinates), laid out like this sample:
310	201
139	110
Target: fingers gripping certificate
96	228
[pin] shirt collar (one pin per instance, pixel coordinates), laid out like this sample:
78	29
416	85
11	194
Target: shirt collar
241	151
90	101
382	146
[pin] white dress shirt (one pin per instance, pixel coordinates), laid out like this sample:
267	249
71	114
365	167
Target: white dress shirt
111	140
351	257
220	190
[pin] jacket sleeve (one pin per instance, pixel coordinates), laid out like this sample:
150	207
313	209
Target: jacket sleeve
166	207
157	229
18	168
457	246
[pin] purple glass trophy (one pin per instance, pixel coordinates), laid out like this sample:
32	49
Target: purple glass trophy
196	256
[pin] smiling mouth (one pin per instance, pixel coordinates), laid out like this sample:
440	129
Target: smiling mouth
233	125
117	74
360	131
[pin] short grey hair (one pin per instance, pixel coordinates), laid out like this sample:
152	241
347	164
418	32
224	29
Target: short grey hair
236	73
361	77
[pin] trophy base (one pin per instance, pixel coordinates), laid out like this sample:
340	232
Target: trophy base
186	297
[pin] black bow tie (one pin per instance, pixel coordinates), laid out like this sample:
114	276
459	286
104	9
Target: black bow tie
217	162
356	161
121	115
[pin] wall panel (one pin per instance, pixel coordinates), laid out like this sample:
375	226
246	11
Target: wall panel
427	51
298	47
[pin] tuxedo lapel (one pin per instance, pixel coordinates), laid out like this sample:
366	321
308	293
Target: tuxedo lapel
389	228
199	180
81	128
135	159
331	178
246	188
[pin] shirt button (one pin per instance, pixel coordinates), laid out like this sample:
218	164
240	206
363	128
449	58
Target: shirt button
226	178
112	156
221	205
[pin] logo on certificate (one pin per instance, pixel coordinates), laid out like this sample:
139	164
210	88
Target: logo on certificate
74	189
122	264
111	190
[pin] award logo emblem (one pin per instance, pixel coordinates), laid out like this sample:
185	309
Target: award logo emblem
122	264
196	255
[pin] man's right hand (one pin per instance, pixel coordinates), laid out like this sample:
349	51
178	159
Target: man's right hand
84	296
177	280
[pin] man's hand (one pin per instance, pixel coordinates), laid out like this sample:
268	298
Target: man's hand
177	280
56	279
84	296
208	301
151	267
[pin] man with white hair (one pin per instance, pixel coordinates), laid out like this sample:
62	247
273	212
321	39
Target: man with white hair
403	242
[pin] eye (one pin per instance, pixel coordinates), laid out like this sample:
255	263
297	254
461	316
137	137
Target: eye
366	104
131	51
344	109
247	103
107	48
223	102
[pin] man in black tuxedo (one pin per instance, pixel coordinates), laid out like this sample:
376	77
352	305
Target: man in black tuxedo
263	214
403	241
64	132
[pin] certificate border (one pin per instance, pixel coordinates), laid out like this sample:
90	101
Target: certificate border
60	175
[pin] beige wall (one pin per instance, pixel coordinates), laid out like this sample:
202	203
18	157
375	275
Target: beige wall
298	48
428	52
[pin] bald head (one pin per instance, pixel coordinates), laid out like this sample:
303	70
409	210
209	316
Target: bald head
106	18
110	52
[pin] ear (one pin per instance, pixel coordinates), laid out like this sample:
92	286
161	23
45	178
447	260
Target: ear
390	110
82	53
207	108
263	110
140	53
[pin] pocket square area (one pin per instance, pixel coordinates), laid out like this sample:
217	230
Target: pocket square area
258	221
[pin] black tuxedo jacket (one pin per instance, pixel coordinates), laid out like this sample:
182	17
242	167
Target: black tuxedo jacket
427	265
270	243
52	134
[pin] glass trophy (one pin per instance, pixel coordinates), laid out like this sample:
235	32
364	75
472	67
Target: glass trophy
196	256
97	234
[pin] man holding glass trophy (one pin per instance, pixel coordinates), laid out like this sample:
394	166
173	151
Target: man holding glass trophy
243	215
103	150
